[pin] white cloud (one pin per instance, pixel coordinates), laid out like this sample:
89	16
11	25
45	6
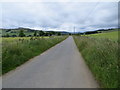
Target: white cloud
60	15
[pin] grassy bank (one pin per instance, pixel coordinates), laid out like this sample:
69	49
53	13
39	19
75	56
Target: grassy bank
16	51
101	55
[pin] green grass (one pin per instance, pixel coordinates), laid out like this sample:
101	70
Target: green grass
101	55
16	52
109	35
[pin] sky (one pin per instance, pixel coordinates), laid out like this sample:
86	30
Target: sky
60	16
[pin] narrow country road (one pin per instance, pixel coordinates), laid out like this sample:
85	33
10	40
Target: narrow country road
59	67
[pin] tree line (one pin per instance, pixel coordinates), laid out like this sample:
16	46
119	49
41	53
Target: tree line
34	33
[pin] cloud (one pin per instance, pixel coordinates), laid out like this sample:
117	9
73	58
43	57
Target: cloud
63	16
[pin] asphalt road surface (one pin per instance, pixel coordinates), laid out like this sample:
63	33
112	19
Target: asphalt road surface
59	67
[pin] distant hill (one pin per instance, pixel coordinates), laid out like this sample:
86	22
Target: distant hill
29	32
99	31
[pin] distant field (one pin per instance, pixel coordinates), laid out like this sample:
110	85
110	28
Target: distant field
110	35
17	38
17	50
100	52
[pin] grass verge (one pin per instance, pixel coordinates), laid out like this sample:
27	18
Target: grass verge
101	55
18	51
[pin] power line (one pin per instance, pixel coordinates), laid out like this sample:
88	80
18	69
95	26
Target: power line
91	11
74	29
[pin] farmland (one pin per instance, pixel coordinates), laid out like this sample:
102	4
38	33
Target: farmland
100	52
18	50
26	32
109	35
15	32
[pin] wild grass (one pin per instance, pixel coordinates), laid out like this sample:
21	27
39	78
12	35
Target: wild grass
101	55
17	51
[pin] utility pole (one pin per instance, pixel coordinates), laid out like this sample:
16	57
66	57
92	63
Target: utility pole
74	29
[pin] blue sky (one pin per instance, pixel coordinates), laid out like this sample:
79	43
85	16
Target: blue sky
60	16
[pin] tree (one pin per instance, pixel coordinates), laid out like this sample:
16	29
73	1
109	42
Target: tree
41	33
13	35
35	33
21	33
51	33
91	32
46	34
7	35
58	33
